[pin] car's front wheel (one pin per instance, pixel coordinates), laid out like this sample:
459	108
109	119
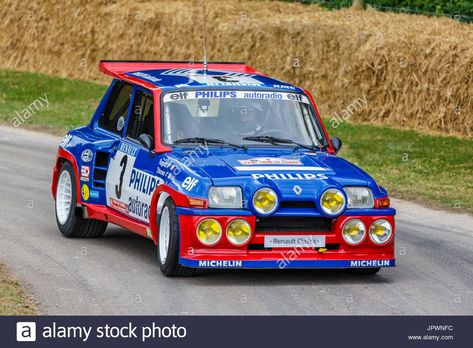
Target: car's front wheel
168	242
71	225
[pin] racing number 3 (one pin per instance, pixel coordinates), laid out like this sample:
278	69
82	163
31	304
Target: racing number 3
118	188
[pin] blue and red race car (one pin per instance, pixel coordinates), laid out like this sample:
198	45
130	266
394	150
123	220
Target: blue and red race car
222	167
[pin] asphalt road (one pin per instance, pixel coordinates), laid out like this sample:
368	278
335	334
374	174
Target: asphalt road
118	274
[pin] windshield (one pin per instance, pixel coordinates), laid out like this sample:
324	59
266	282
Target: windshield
235	115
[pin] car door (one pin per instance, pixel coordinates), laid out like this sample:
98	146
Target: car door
102	138
131	178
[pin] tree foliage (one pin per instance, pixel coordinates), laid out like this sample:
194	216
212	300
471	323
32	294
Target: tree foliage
458	9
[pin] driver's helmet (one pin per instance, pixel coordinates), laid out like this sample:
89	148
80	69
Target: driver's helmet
242	116
251	117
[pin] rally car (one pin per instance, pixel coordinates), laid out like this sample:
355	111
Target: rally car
220	166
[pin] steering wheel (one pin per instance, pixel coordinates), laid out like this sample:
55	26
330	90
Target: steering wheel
273	132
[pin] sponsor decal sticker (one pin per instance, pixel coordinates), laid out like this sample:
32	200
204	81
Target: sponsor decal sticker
85	173
290	176
285	87
87	155
265	168
148	232
161	172
236	95
138	207
146	76
165	163
220	263
300	241
118	205
215	77
189	183
94	194
128	189
85	192
370	263
166	168
128	149
142	181
270	160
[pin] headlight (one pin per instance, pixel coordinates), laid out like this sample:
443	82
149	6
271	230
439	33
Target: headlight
354	231
238	232
265	201
225	197
209	231
380	231
359	197
332	201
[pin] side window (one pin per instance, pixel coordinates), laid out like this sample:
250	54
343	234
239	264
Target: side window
114	115
142	116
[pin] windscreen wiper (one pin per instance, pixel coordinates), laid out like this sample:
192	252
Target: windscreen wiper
206	141
276	140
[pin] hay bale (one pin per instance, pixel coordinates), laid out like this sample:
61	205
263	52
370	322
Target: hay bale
414	71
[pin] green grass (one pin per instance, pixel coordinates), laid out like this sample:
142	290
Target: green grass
424	168
13	300
434	170
71	102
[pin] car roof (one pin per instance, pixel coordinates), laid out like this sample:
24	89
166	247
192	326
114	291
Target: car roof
170	75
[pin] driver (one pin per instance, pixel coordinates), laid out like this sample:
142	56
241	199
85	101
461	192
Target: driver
251	119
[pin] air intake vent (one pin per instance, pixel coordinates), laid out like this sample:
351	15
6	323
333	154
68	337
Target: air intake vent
297	205
100	169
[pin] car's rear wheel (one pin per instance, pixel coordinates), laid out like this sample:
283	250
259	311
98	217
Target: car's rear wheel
69	223
168	242
364	271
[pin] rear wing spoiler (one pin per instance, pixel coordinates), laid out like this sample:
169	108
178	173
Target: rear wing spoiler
117	68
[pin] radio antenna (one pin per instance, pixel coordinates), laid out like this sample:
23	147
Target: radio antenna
203	35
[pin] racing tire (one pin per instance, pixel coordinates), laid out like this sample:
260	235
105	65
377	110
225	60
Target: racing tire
69	223
364	271
168	242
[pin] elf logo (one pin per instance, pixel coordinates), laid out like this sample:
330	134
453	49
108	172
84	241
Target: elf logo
189	183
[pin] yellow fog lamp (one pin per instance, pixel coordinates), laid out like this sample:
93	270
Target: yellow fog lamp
209	232
380	231
354	231
238	232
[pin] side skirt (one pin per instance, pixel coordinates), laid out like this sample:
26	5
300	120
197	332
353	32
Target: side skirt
103	213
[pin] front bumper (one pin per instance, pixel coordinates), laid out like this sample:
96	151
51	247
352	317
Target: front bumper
284	263
336	254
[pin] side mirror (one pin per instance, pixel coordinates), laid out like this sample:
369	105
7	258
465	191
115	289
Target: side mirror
337	143
147	141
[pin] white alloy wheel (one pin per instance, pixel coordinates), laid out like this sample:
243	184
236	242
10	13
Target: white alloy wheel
63	197
164	234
